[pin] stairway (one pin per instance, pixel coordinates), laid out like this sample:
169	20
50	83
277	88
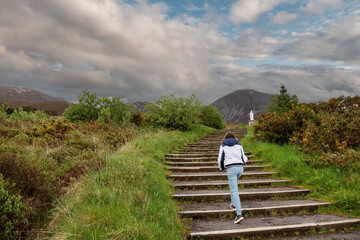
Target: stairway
269	205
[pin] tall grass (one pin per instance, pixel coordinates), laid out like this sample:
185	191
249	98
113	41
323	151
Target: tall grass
330	183
128	198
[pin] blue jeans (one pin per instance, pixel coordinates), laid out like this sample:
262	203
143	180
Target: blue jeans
234	173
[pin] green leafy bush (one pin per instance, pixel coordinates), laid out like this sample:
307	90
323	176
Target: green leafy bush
174	112
330	128
12	213
85	110
211	117
90	107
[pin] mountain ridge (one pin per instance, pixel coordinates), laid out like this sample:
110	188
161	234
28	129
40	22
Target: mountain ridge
236	106
16	97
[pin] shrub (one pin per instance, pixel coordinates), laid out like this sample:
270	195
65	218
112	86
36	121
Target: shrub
86	110
211	117
331	129
12	213
20	114
139	118
174	112
92	108
52	128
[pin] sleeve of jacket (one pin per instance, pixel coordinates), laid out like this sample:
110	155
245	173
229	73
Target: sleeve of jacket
220	157
245	159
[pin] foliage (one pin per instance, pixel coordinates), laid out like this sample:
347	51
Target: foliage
174	112
52	128
282	102
330	128
12	213
20	114
138	118
85	110
337	182
90	107
211	117
129	197
42	157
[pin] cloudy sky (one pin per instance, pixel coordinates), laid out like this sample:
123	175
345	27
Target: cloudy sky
140	50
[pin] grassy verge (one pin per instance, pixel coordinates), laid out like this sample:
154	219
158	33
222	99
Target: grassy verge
129	197
330	183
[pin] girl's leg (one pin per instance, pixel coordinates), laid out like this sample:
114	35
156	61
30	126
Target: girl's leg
233	173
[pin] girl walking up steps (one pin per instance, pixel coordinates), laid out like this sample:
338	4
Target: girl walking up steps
232	159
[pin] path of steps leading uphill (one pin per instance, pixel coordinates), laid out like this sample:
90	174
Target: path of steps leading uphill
204	198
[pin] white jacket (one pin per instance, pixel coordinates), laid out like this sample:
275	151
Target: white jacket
231	153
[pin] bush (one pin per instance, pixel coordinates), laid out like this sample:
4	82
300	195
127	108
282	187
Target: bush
12	213
139	118
52	128
92	108
211	117
174	112
86	110
20	114
331	129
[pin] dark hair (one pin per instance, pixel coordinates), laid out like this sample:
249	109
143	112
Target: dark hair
229	135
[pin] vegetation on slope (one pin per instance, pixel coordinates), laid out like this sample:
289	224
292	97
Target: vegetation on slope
330	182
128	198
41	156
318	145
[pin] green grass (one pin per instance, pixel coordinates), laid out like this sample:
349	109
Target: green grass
128	198
336	184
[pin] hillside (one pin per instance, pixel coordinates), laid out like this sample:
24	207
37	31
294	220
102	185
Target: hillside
20	97
236	106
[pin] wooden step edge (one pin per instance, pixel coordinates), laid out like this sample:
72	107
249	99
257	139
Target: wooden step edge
221	175
243	195
226	183
213	163
213	167
208	213
273	229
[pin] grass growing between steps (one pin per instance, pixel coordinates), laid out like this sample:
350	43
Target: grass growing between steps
128	198
338	185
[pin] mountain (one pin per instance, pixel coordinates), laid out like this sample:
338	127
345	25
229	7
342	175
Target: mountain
139	105
236	106
21	97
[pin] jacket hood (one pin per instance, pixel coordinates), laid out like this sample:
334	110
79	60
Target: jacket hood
230	141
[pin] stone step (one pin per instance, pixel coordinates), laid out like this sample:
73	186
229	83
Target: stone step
213	168
265	226
340	235
225	183
217	175
202	146
221	209
190	159
251	193
196	155
197	150
199	159
205	163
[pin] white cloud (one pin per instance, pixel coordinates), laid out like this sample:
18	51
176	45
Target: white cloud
132	49
249	11
321	6
282	18
338	41
138	52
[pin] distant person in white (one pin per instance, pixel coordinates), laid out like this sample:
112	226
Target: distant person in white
232	158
